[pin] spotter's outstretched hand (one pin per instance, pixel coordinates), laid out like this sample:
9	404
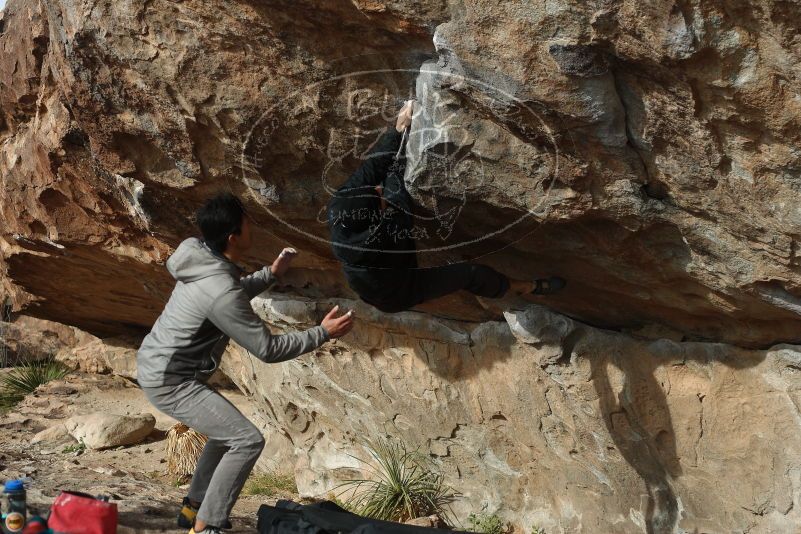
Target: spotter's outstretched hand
337	326
281	263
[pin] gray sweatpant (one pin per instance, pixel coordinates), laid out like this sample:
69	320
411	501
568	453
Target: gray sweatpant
229	456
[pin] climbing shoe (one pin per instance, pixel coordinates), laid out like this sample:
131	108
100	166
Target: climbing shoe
207	530
186	518
548	286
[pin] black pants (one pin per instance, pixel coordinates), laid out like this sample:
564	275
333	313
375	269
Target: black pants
396	290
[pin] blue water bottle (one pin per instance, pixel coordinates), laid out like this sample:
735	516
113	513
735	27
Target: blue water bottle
15	508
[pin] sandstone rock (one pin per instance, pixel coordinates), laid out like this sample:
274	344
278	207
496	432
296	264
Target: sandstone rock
60	388
104	431
31	339
47	407
14	421
647	152
432	521
110	471
56	435
28	339
111	355
547	421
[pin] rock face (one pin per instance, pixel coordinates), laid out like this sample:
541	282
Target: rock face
544	420
646	151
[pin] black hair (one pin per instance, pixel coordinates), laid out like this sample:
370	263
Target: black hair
220	217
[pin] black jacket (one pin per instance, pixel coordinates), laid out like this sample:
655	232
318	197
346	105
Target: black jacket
376	247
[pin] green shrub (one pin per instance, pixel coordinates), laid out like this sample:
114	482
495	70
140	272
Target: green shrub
22	380
404	485
487	524
77	447
270	484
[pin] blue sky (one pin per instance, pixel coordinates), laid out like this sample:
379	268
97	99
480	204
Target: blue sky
2	3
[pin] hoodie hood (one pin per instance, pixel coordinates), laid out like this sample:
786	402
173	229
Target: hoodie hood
193	260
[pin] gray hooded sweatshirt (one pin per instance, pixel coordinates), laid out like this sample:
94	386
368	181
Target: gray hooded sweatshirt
210	305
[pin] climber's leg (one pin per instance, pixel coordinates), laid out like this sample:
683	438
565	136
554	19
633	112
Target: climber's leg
540	286
478	279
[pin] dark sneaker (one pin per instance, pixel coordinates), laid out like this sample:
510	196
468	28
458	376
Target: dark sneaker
548	286
186	517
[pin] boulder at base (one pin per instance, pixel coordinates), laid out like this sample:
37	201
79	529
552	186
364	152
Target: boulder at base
103	431
55	435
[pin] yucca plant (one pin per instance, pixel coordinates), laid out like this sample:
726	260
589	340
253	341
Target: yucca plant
24	379
404	485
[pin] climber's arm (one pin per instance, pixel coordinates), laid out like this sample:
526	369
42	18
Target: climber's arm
394	190
375	166
380	156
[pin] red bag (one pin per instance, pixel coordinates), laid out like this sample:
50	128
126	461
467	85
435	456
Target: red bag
79	513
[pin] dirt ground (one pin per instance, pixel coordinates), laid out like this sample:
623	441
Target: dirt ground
134	477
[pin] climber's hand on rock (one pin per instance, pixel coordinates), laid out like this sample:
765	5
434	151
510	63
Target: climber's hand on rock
281	263
337	326
405	116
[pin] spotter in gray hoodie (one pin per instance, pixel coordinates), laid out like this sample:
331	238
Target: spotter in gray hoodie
210	305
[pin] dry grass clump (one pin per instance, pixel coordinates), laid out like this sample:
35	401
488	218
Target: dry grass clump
271	485
184	446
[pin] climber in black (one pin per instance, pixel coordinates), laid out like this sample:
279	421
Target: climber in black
372	232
